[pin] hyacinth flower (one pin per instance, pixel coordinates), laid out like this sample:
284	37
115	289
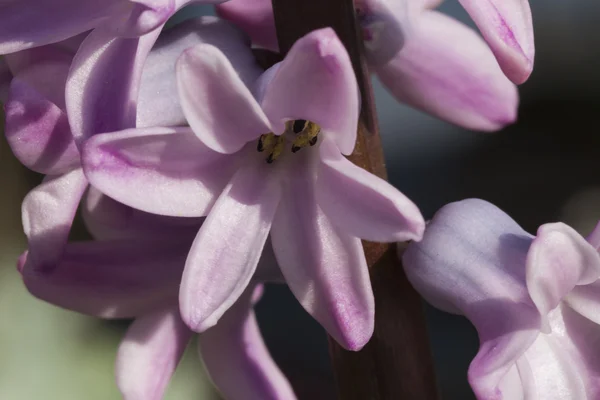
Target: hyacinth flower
39	134
412	49
133	271
534	300
273	165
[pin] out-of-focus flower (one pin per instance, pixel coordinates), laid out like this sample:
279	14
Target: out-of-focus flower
38	130
426	59
315	203
534	300
137	276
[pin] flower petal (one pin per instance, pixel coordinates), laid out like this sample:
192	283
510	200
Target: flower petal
38	131
113	279
229	245
237	359
149	354
323	265
102	87
218	105
48	212
507	27
146	16
183	176
253	17
558	260
471	261
362	204
316	82
464	87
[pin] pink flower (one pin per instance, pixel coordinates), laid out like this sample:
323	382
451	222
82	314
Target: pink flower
534	300
315	204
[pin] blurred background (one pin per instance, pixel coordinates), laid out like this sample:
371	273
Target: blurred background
543	169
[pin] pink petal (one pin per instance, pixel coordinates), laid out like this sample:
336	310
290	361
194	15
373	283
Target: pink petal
237	359
113	279
103	83
146	16
227	249
464	87
182	176
48	212
323	265
219	107
149	354
361	204
316	82
507	27
38	131
558	260
253	17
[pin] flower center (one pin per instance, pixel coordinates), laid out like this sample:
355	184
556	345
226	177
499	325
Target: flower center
299	132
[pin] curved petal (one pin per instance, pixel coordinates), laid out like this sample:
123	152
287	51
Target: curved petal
253	17
38	131
507	27
217	104
182	176
113	279
237	359
30	23
149	353
228	247
471	261
464	87
558	260
316	82
158	103
102	87
48	212
146	16
323	265
362	204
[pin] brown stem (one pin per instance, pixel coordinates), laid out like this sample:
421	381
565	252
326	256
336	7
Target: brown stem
396	364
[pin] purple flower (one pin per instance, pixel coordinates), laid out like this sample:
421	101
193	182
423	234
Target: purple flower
534	300
267	166
134	271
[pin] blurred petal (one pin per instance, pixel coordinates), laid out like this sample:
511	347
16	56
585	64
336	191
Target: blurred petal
227	249
507	27
323	265
362	204
149	354
464	87
38	131
219	107
165	171
48	212
559	259
253	17
316	82
113	279
237	359
158	103
103	83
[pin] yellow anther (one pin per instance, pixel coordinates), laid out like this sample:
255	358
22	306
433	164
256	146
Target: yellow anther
277	149
266	141
307	137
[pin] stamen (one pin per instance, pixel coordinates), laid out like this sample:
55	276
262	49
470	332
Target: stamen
277	149
307	137
265	142
299	125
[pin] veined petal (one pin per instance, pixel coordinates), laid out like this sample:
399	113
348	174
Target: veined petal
48	212
165	171
103	83
558	260
217	104
158	103
323	265
507	27
227	249
149	354
237	359
113	279
253	17
362	204
464	87
316	82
